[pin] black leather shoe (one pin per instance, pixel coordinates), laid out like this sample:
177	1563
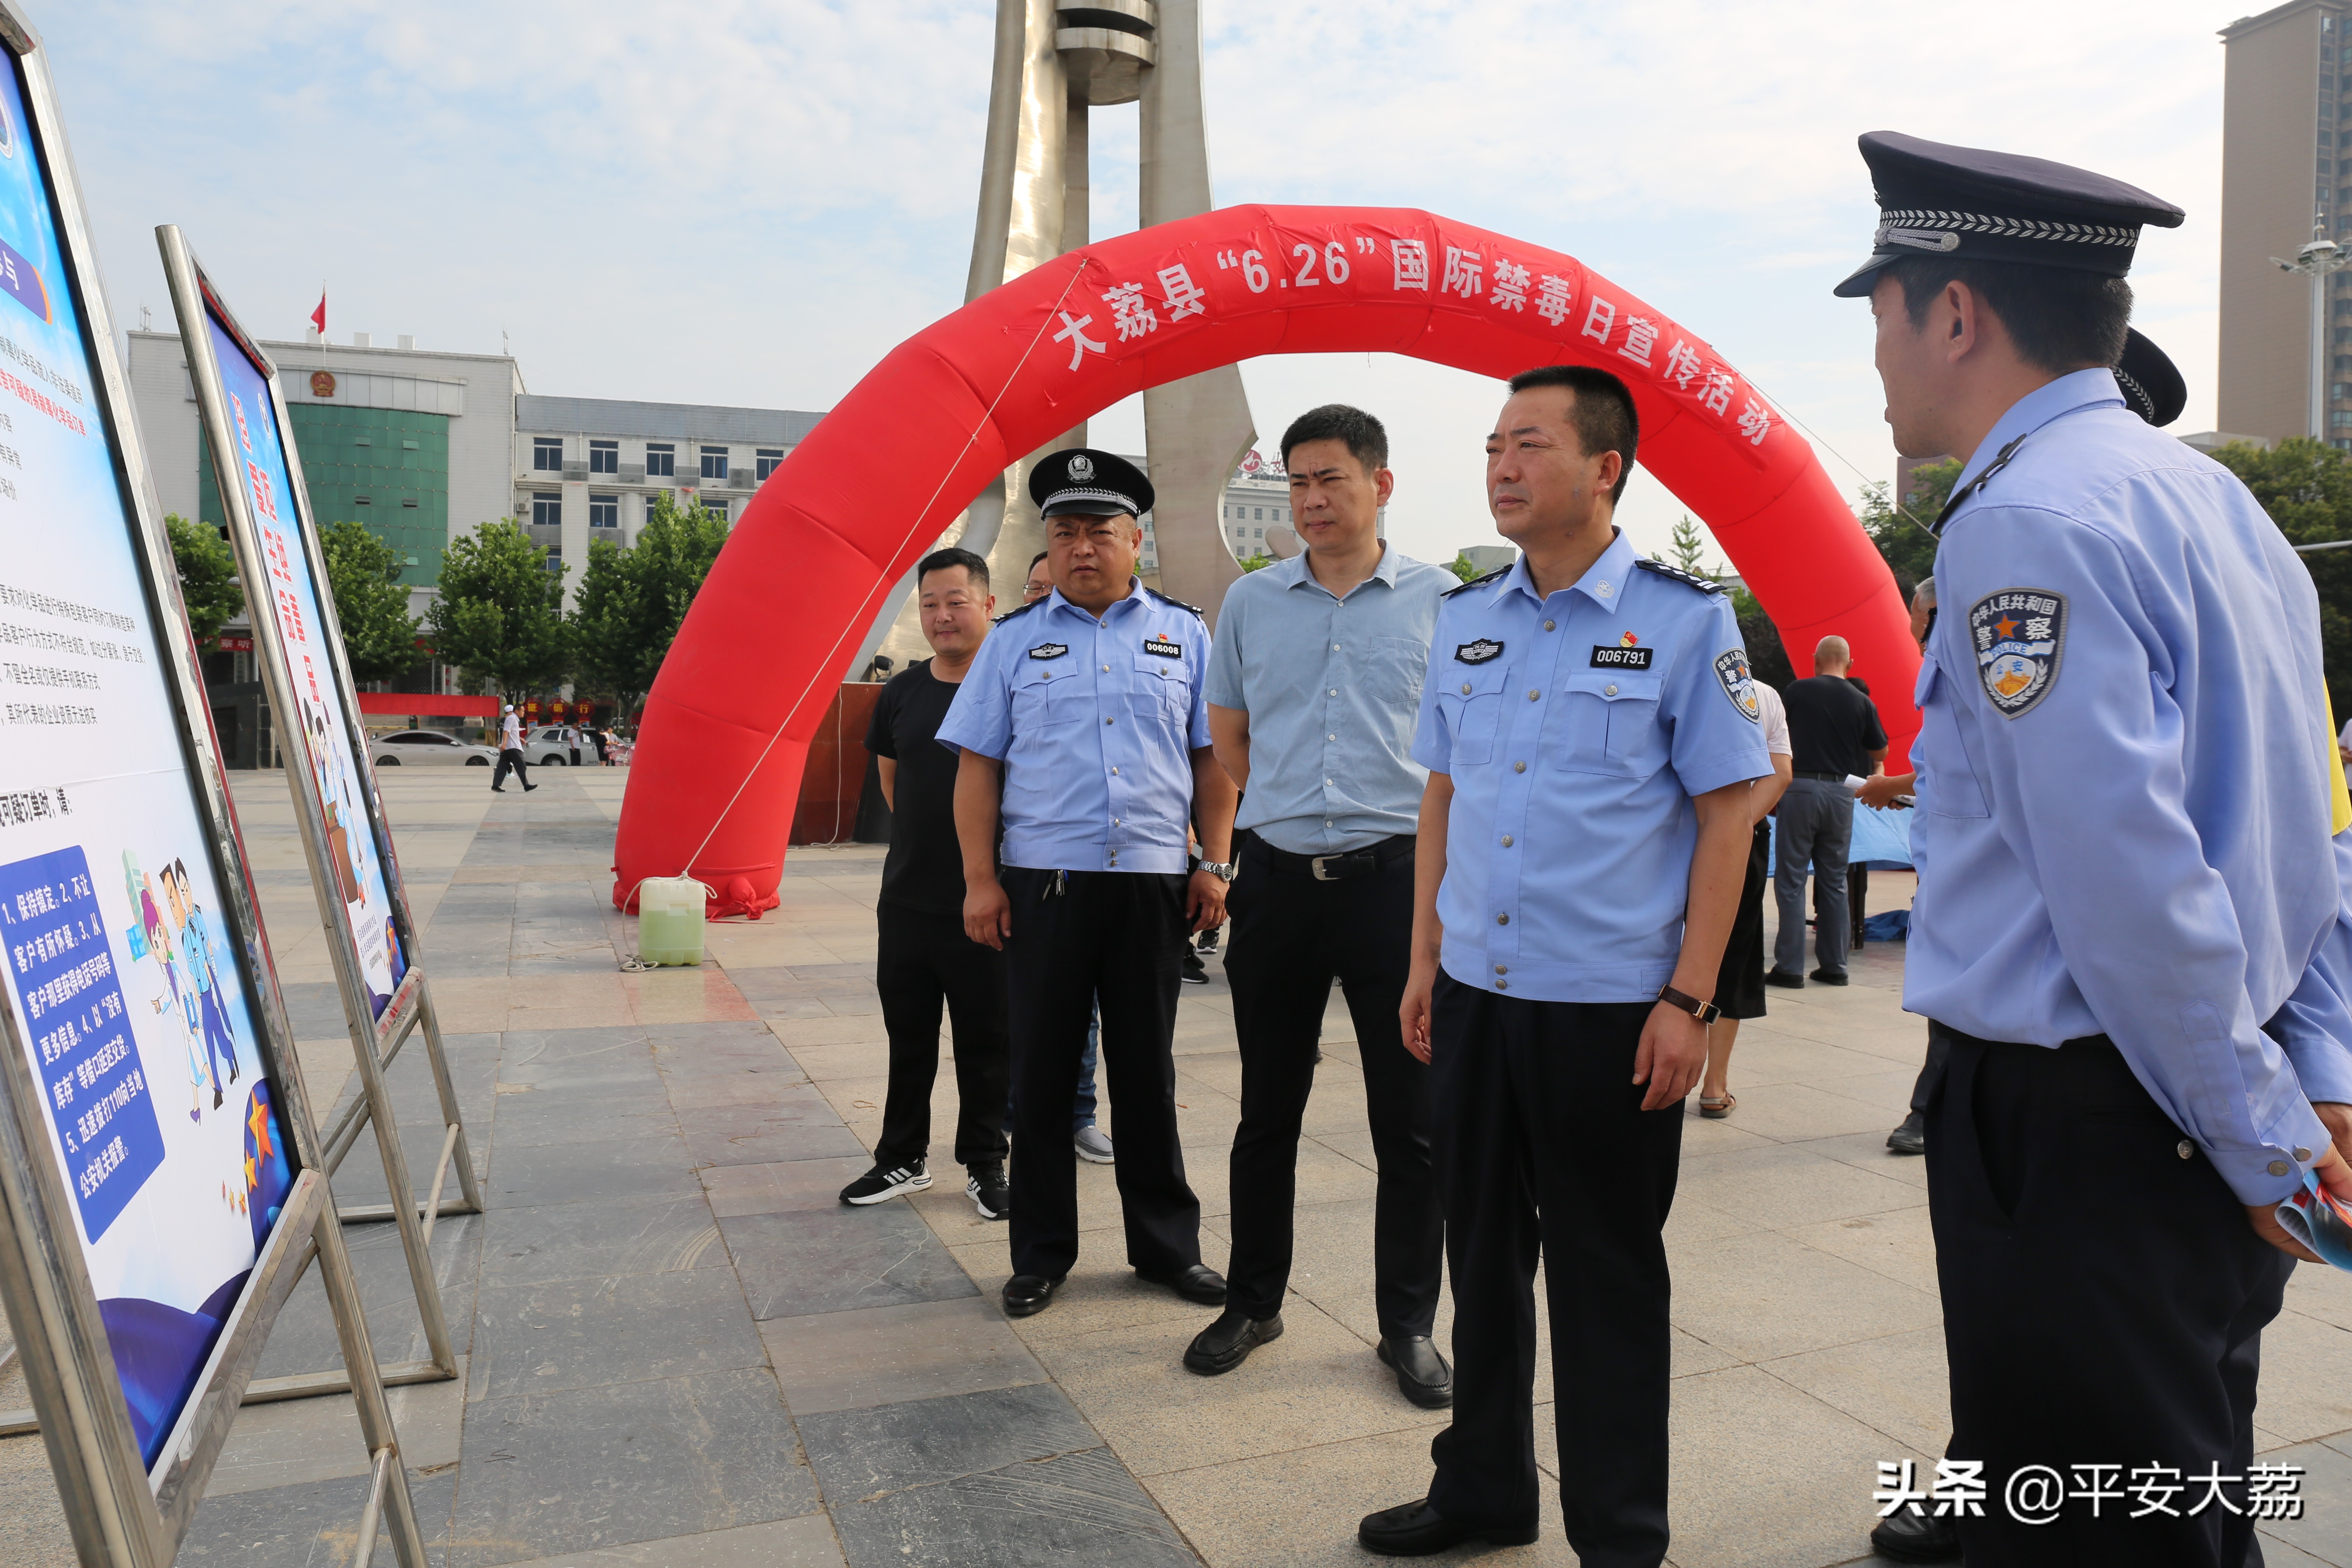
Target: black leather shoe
1910	1536
1826	978
1782	978
1421	1373
1198	1283
1911	1138
1417	1530
1026	1295
1227	1342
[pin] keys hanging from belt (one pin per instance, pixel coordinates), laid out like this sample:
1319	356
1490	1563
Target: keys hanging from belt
1054	889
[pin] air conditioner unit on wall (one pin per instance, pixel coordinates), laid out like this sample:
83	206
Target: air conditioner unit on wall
575	470
633	473
741	480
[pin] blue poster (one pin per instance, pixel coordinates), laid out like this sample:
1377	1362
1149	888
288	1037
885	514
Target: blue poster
122	978
322	735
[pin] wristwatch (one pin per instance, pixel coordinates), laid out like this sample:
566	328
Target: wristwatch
1224	871
1704	1012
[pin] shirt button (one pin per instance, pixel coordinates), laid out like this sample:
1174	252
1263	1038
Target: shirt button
2303	1155
1506	841
1106	669
1502	969
1548	625
1466	689
1502	985
1110	720
1531	696
1518	767
2279	1167
1334	691
1335	648
2186	1149
1331	737
1609	690
1113	771
1506	919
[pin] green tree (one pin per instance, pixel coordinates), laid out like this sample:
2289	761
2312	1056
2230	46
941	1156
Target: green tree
208	583
1460	566
1257	561
632	601
1899	526
371	605
2305	486
1689	551
500	616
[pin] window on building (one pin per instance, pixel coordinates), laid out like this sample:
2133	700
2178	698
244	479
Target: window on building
547	454
603	457
362	500
555	558
661	460
771	459
546	510
603	511
1259	534
714	462
2341	419
715	507
1261	515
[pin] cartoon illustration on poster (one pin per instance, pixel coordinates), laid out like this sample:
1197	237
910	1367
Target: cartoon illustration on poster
293	599
121	973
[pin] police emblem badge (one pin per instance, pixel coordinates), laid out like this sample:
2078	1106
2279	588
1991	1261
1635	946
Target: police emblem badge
2019	636
1478	652
1082	469
1049	650
1731	671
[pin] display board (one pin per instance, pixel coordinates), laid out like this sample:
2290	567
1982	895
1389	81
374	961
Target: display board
126	992
319	737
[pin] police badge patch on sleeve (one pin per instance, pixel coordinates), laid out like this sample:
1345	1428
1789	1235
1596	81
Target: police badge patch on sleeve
2020	633
1731	669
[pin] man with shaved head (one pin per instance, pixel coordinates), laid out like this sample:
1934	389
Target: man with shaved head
1833	733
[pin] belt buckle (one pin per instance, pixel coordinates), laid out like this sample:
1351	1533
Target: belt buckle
1317	864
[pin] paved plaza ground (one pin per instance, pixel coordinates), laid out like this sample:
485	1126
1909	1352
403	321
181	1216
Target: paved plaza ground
681	1351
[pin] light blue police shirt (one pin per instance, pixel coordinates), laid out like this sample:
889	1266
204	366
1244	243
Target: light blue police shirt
1332	687
1575	727
2123	788
1095	722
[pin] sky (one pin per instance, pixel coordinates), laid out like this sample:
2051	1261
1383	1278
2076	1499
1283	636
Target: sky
743	202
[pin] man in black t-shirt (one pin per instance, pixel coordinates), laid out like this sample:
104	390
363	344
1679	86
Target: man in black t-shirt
1833	733
923	957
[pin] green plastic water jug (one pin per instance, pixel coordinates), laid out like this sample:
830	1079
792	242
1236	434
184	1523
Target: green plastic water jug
669	919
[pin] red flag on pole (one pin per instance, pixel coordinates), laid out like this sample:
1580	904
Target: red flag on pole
319	316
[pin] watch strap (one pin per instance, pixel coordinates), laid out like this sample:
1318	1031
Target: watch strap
1704	1012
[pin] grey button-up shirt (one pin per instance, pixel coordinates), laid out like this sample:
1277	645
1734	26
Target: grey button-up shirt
1331	687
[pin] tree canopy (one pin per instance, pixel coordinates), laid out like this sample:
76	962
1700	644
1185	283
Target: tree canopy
632	601
207	569
500	616
2305	486
371	605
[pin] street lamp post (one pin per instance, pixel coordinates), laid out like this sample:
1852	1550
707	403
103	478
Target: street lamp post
2317	261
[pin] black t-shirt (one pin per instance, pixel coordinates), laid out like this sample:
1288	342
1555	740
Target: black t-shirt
924	870
1833	727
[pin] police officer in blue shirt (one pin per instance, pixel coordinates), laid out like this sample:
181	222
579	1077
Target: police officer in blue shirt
2126	880
1084	737
1590	729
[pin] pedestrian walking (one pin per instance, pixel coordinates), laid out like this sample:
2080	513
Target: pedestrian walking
1590	729
1314	687
510	757
2127	889
1084	736
923	959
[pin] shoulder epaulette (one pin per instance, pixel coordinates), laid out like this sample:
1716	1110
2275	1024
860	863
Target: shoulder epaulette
1194	610
1477	581
1676	574
1022	611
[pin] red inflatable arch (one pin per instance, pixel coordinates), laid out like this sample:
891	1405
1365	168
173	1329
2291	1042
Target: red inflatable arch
755	666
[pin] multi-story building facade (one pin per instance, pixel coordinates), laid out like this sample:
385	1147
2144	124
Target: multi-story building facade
2286	164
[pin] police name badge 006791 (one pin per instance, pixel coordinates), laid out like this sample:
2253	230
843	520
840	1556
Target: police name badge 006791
1478	652
1606	656
2019	635
1731	671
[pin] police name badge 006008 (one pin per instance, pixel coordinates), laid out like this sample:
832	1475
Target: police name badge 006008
1731	671
2019	635
1163	648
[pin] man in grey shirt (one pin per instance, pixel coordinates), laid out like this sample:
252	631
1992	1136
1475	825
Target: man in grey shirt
1313	687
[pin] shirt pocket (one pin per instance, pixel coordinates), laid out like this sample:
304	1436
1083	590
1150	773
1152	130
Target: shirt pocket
1161	692
1044	698
1394	673
1946	783
1471	707
1608	724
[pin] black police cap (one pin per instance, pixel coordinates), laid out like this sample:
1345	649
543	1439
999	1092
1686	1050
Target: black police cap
2151	384
1096	484
1936	200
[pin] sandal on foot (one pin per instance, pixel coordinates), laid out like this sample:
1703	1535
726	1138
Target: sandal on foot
1716	1110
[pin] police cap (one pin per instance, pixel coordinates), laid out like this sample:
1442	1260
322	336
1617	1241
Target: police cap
2151	384
1937	200
1096	484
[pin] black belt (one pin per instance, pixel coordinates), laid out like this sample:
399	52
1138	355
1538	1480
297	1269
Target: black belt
1825	778
1335	867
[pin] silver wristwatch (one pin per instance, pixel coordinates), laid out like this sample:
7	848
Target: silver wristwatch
1224	871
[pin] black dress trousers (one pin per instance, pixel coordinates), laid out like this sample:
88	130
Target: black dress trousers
1292	936
922	959
2104	1302
1542	1144
1109	936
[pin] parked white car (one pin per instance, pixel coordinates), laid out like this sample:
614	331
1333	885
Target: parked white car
544	746
427	748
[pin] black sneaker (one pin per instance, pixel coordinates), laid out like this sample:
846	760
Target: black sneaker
988	1191
1195	972
885	1181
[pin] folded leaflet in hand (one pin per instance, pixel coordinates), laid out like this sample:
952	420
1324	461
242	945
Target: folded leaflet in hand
2318	1221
